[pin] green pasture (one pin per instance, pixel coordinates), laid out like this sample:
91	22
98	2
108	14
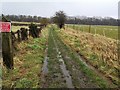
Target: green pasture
108	31
15	28
25	22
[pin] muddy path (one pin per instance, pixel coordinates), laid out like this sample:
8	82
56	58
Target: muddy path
53	75
61	68
79	79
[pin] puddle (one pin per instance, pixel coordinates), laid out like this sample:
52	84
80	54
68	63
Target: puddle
66	74
45	69
63	67
81	59
92	68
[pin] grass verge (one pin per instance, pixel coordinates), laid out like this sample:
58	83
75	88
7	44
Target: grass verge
28	62
88	72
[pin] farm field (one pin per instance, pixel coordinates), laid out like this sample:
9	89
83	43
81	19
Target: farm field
63	58
24	22
15	28
107	31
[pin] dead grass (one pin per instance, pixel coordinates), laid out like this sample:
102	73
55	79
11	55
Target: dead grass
100	51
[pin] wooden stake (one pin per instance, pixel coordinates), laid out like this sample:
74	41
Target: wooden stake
7	52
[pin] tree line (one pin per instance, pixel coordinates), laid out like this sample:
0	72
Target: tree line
23	18
69	20
93	21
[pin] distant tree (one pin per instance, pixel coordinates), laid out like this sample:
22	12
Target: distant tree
59	19
24	34
92	21
35	18
44	21
33	31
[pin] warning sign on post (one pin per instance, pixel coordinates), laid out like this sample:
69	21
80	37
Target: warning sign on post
5	27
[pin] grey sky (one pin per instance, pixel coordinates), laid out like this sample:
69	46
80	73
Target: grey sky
104	8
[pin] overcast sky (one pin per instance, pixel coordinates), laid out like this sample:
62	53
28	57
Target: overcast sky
47	8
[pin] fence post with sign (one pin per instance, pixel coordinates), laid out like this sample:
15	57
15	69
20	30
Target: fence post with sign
7	52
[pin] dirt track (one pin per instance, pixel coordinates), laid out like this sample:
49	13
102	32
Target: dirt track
62	69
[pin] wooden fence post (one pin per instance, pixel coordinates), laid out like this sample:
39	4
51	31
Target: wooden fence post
19	35
89	28
7	52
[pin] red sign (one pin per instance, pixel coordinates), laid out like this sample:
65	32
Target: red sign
5	27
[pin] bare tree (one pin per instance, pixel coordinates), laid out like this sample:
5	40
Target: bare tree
59	19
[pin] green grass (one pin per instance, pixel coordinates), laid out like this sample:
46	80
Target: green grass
54	77
108	31
15	28
28	63
91	74
25	22
93	58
